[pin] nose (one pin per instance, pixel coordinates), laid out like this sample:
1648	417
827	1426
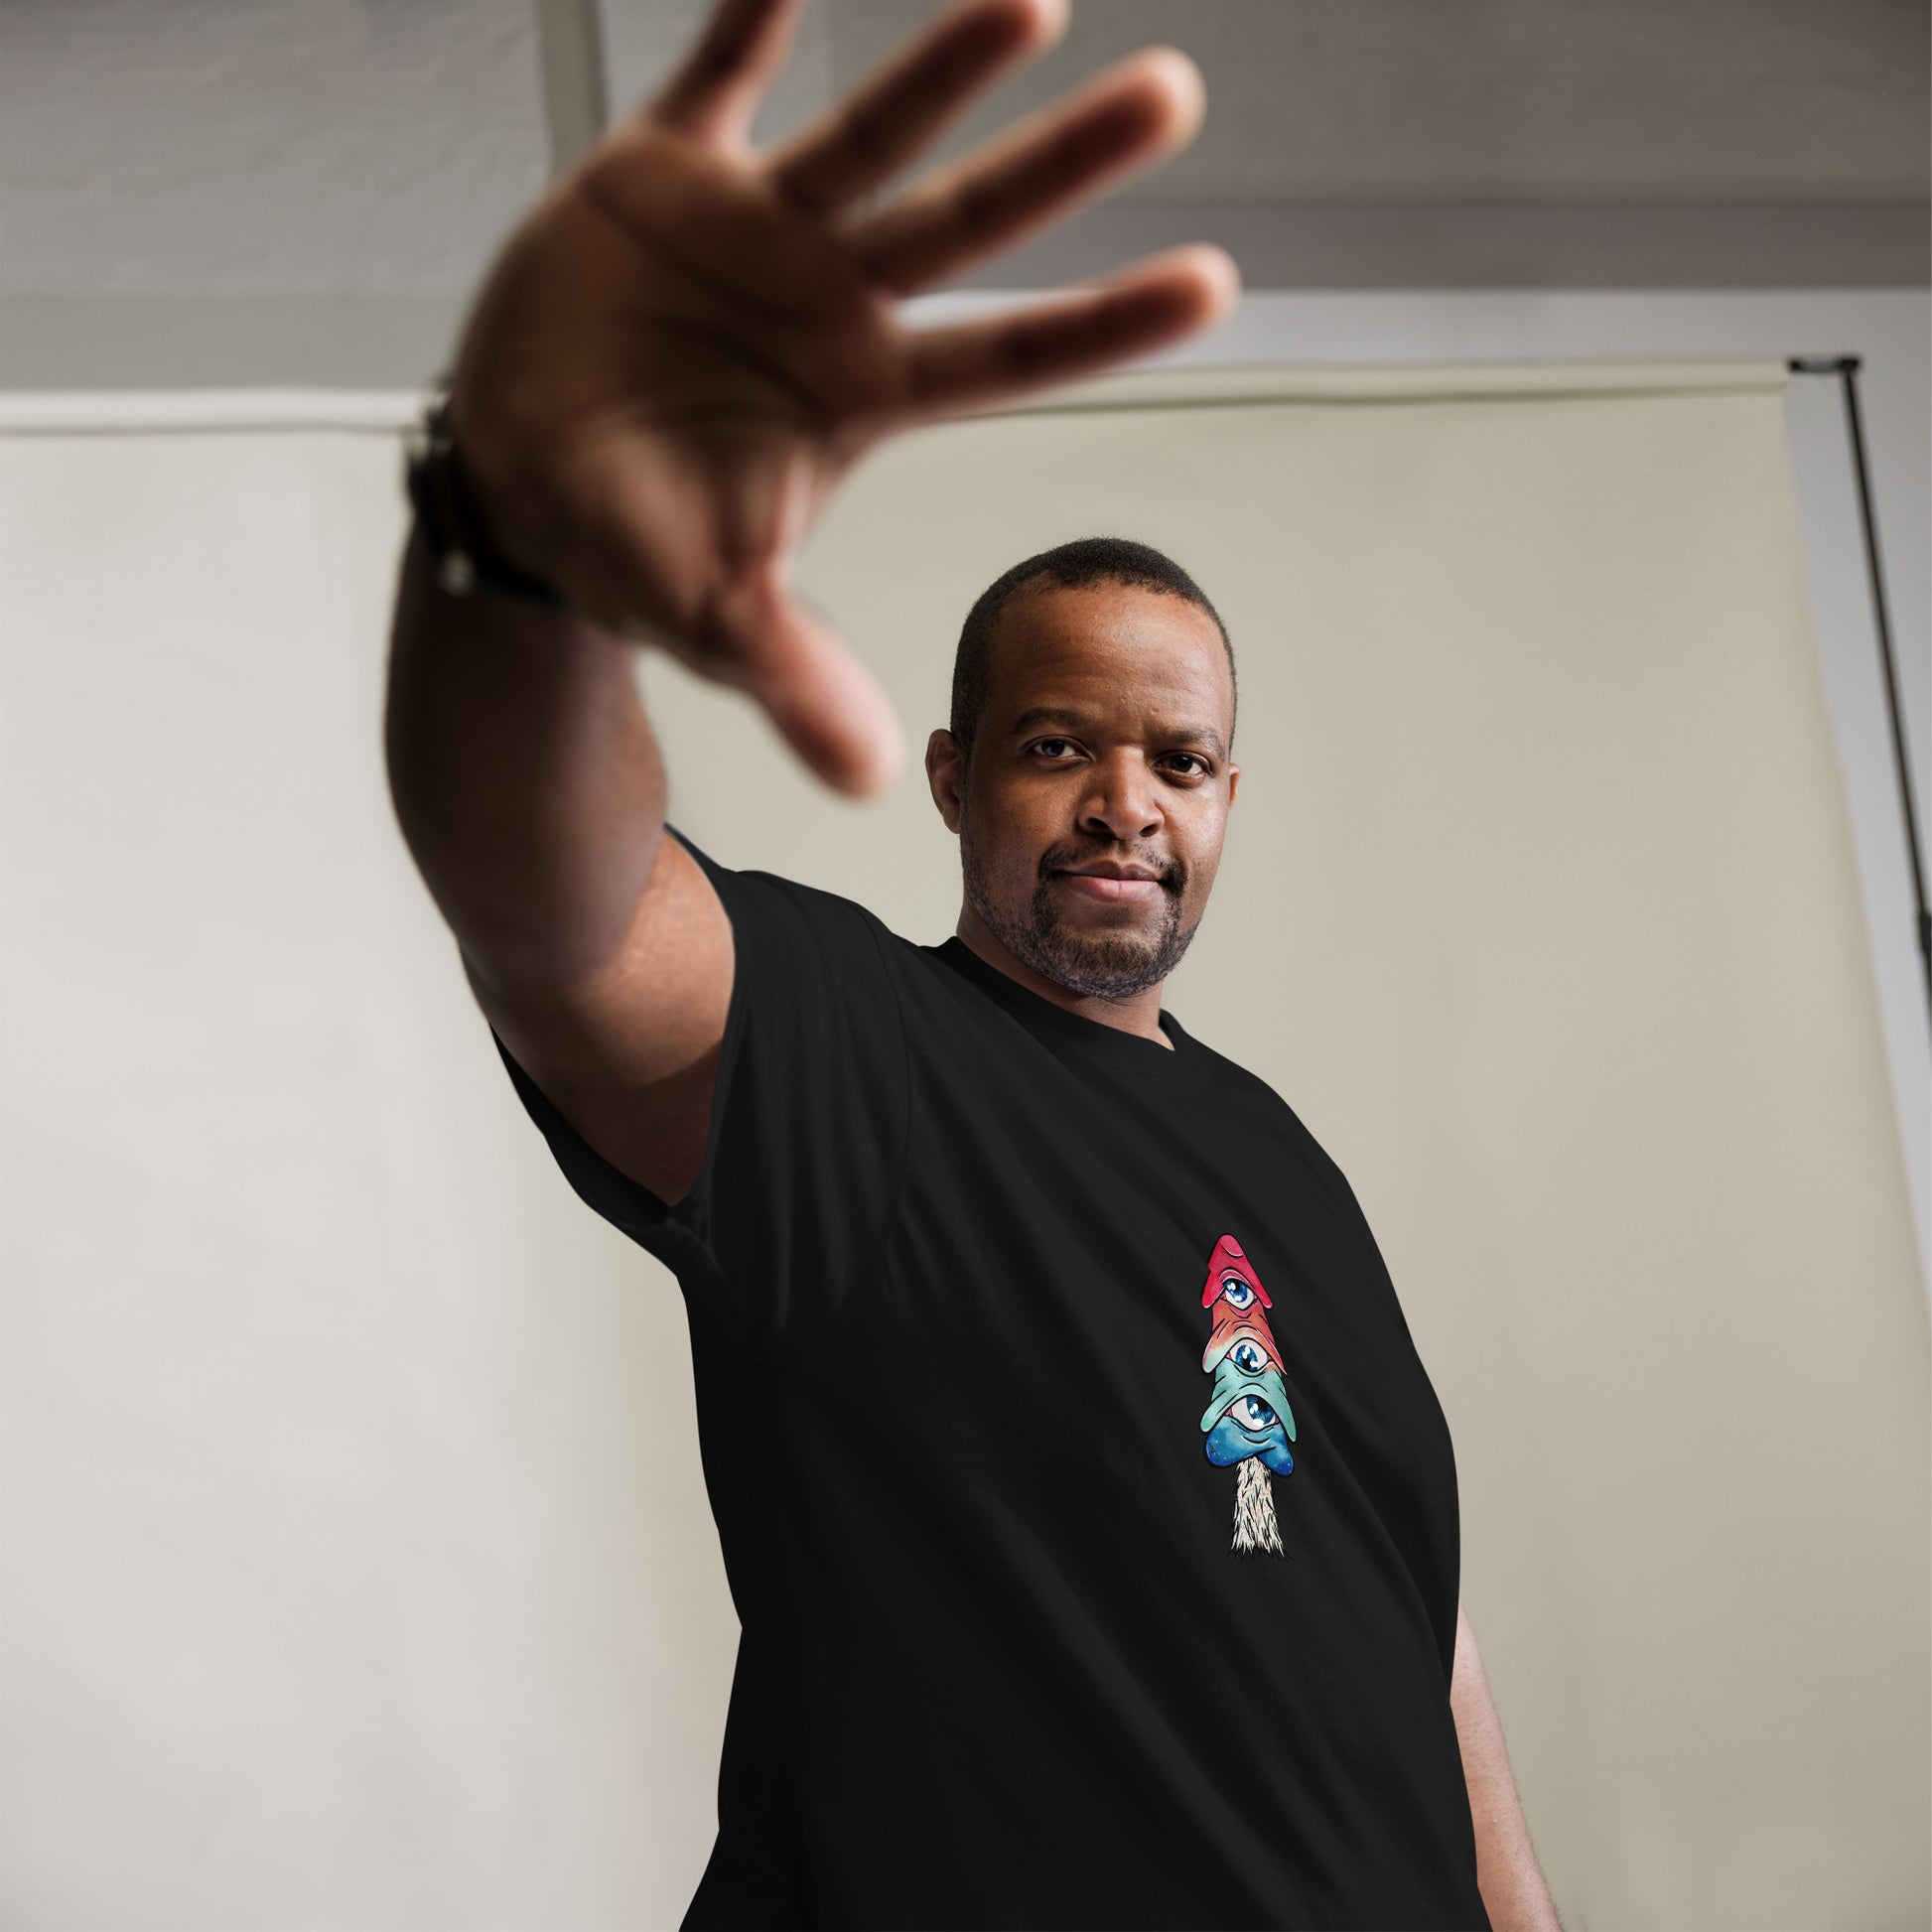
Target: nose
1122	803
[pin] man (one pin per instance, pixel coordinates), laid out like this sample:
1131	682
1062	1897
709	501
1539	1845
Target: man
1090	1519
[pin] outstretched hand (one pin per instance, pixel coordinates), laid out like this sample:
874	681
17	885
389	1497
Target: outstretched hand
686	343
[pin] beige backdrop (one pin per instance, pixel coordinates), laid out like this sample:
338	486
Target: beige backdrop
358	1558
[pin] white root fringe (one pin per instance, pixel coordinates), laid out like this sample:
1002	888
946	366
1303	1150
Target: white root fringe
1255	1527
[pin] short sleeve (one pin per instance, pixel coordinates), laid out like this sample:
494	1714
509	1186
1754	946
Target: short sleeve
793	1203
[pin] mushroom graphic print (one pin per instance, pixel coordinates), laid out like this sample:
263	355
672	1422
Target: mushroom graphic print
1248	1422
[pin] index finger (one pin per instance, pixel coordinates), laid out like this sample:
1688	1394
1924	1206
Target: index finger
714	96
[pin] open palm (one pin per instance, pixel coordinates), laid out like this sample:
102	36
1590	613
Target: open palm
687	343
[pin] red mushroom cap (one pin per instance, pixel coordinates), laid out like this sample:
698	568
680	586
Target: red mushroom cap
1227	1259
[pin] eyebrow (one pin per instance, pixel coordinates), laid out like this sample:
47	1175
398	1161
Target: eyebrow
1065	716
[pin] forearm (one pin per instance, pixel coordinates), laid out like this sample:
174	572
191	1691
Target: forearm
525	778
1511	1882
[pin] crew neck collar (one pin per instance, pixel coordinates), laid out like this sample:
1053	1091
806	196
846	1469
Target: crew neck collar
1110	1046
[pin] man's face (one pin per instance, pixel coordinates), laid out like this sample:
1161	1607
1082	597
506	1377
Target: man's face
1102	748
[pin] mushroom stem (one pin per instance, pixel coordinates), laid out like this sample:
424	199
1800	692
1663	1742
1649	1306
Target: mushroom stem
1255	1527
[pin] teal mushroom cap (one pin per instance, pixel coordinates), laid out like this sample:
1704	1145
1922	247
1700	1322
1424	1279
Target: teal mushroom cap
1233	1382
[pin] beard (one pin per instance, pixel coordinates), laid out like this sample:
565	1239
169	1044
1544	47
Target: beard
1108	965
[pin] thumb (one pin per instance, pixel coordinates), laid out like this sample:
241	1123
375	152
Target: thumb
828	706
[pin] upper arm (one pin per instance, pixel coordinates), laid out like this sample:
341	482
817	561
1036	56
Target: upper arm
747	1062
629	1054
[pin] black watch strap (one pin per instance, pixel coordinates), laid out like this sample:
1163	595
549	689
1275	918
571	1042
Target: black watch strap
467	563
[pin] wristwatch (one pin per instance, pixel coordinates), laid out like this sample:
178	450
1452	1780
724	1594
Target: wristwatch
466	562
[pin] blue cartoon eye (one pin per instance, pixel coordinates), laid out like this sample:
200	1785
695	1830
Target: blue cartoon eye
1254	1413
1248	1358
1237	1292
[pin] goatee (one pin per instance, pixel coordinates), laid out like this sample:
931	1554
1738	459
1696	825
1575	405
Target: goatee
1104	965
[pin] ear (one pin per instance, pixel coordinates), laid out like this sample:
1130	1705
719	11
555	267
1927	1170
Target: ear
945	773
1234	778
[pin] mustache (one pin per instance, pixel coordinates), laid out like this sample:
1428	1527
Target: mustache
1169	872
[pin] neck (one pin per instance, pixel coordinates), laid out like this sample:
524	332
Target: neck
1134	1013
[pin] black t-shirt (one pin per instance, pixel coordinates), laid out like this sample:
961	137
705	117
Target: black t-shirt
1090	1518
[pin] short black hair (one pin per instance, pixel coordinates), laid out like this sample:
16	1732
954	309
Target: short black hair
1067	566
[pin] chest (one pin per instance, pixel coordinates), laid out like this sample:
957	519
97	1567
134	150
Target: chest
1049	1313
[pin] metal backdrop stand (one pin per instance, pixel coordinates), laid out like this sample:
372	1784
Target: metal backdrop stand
1846	368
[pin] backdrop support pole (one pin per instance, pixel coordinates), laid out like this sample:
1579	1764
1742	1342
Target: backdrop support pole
1846	368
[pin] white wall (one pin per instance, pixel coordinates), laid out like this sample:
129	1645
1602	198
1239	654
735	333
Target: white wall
354	1550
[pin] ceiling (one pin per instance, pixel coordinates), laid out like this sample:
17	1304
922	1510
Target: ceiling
1458	101
359	156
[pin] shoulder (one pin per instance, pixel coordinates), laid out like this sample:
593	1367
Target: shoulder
780	907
